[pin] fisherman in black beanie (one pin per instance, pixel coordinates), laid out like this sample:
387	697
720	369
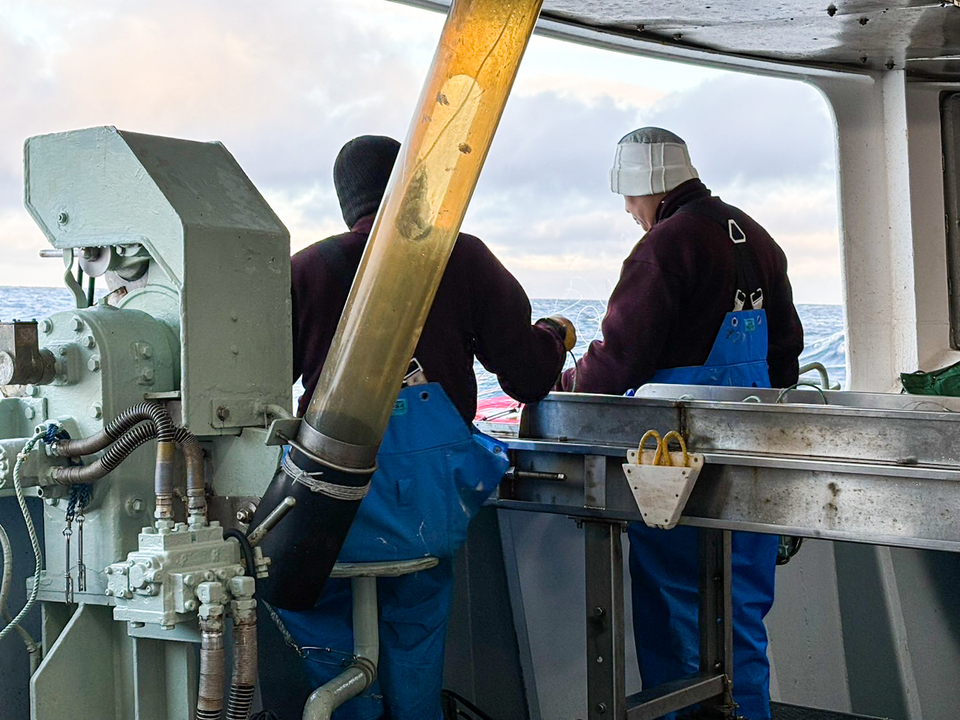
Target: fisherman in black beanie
479	310
361	173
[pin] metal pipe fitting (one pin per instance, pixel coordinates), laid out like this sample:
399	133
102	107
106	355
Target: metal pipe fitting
163	480
275	516
366	647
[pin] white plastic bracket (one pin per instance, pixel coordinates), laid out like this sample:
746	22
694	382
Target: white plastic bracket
661	491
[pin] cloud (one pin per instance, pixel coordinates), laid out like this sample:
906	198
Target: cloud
743	128
285	84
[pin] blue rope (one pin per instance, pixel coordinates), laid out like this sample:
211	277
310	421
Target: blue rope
80	493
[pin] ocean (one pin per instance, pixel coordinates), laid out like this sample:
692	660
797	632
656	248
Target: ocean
822	325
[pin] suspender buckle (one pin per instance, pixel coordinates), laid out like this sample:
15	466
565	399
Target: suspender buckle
739	300
756	299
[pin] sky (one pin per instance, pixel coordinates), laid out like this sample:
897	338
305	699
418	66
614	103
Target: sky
284	84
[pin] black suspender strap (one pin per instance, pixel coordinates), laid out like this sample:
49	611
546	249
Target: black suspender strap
748	293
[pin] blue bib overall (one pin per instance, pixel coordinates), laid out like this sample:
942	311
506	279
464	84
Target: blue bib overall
663	563
434	473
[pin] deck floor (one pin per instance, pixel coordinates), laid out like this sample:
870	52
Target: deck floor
781	711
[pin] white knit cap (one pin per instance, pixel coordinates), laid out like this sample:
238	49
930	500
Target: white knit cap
650	161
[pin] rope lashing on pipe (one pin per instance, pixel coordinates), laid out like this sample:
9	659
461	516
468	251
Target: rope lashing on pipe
313	481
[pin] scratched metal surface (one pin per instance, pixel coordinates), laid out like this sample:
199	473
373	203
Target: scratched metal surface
837	33
921	35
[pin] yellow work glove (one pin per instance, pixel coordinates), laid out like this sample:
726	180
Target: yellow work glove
564	329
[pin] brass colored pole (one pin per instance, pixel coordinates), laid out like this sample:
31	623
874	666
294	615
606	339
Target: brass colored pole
414	233
328	469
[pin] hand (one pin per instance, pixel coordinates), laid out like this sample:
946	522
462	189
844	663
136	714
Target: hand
566	330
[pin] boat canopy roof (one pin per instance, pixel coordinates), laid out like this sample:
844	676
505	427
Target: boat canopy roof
921	36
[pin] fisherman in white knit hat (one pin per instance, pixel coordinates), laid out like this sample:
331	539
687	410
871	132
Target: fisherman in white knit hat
703	299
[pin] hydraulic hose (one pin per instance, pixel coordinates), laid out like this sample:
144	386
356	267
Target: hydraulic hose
244	677
246	549
117	427
164	476
210	693
116	454
196	485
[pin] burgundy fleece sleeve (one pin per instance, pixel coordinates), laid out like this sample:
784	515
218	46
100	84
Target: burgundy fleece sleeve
785	342
525	358
640	313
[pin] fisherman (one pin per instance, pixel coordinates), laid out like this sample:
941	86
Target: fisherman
703	299
430	461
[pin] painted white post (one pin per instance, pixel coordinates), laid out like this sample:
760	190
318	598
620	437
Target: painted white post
893	242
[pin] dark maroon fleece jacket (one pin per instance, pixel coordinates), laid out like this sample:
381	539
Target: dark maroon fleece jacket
675	288
480	309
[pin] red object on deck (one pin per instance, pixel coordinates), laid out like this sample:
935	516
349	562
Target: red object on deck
500	409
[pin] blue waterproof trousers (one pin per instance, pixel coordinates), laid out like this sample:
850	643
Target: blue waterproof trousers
663	571
435	472
663	563
413	628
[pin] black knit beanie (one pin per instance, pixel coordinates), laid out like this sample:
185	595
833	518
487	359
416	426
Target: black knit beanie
361	173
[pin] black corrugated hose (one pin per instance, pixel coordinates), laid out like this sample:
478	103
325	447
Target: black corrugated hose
116	454
116	428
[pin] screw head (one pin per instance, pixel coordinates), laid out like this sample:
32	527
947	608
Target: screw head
89	341
146	376
29	413
223	413
62	218
93	364
601	708
76	323
31	390
190	605
146	351
96	411
46	327
244	515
